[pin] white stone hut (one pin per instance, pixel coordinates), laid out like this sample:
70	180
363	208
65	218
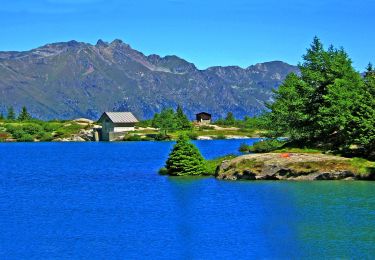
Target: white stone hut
115	124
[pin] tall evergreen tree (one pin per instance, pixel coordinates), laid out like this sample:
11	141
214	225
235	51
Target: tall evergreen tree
229	119
182	121
11	115
185	159
322	104
24	115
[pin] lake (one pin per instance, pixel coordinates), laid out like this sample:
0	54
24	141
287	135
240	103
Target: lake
106	200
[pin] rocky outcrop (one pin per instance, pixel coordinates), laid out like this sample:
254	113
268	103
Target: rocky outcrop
288	166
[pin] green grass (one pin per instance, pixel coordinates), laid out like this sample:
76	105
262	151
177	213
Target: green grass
363	166
28	131
198	131
297	150
214	163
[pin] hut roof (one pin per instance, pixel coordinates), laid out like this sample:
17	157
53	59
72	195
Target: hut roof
120	117
204	113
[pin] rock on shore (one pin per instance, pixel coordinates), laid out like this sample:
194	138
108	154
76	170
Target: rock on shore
288	166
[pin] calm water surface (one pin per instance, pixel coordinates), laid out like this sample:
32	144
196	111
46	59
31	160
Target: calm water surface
106	200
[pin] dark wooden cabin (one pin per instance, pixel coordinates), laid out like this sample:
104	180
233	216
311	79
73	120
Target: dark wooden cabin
203	117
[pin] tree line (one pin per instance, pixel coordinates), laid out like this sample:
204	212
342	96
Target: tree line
11	115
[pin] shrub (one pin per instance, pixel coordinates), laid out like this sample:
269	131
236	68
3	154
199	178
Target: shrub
32	129
265	146
46	137
193	135
244	147
220	136
185	159
26	138
162	137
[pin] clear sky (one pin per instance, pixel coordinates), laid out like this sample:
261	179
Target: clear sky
205	32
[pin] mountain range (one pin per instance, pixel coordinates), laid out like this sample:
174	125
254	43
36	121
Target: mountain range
72	79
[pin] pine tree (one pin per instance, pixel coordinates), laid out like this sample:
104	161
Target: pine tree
11	115
24	115
229	119
185	159
182	121
1	116
320	104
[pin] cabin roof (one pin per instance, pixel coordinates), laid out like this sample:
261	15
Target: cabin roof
120	117
203	113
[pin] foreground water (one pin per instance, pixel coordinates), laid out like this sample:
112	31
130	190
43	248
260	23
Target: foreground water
106	200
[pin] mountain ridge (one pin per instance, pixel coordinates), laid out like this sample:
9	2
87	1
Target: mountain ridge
76	79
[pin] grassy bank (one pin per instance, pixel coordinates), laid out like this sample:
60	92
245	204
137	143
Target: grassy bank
37	130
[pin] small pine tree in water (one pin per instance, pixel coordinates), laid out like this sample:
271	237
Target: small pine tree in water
185	159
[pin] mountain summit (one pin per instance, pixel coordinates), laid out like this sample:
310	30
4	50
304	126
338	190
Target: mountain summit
74	79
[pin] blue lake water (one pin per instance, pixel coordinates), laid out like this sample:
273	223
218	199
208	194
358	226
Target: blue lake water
106	200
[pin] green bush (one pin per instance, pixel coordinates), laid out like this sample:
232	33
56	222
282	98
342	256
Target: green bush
266	146
185	159
244	147
192	135
46	137
32	129
26	138
220	136
162	137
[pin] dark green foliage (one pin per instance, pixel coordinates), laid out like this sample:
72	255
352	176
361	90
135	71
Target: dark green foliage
169	120
229	119
11	115
206	127
185	159
253	123
45	137
266	146
328	103
25	138
24	115
40	130
192	135
1	116
244	148
162	137
220	136
182	122
145	123
165	121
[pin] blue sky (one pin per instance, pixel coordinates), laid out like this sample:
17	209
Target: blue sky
205	32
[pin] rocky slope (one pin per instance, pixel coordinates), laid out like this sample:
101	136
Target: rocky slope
73	79
293	166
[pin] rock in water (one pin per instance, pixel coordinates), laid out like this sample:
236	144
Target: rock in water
294	166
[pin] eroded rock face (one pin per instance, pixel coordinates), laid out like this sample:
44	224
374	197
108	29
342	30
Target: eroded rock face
293	166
